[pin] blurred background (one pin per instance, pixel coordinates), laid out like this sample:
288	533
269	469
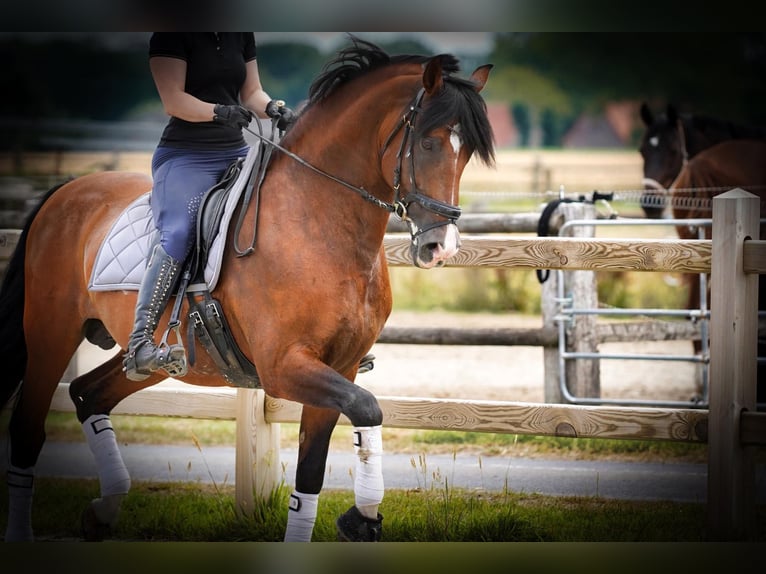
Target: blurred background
548	90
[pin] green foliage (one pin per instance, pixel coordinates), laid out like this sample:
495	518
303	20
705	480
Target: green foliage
565	73
287	69
466	290
475	290
597	67
67	78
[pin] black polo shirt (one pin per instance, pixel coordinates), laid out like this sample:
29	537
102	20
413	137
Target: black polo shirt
215	72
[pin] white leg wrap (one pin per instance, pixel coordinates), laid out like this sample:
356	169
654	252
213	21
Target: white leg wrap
20	490
368	479
301	515
113	476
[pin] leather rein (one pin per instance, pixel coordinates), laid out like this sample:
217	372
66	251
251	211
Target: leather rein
399	208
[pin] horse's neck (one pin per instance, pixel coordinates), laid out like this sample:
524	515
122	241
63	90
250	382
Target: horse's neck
704	132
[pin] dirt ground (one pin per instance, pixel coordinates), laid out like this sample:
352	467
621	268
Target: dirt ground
500	373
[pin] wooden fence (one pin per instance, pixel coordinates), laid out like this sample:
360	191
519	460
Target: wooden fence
730	426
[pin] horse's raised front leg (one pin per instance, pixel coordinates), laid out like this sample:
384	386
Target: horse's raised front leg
362	522
316	385
95	394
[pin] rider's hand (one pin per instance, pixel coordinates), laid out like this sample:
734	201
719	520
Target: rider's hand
276	109
232	115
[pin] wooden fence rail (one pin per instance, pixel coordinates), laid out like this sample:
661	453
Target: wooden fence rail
731	426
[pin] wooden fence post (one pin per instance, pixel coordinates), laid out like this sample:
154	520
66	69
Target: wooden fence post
733	362
257	468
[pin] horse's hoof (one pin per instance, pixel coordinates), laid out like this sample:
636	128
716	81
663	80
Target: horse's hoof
353	527
93	530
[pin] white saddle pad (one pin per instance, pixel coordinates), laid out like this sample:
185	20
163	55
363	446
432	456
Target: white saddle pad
121	259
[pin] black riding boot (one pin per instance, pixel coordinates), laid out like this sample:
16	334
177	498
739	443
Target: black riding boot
144	356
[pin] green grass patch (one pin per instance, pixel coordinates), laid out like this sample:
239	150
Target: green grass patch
477	290
493	444
194	512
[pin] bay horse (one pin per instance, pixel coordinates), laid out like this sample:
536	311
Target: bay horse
671	139
380	134
735	163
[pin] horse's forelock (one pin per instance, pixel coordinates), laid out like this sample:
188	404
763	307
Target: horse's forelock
459	101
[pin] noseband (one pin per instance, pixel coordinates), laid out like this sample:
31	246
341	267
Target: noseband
449	212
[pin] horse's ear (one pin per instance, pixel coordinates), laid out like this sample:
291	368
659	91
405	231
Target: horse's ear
480	75
646	114
433	76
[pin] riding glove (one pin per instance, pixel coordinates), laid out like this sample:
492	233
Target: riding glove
276	109
232	115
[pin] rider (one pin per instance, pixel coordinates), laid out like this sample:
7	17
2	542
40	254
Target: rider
210	87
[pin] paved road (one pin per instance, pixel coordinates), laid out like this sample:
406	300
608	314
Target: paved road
619	480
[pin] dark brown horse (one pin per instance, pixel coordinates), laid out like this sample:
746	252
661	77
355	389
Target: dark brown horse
731	164
380	134
671	139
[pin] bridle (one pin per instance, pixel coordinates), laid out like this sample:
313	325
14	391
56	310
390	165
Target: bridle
401	204
449	212
653	183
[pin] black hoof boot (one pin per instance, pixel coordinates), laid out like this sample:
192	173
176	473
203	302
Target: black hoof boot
93	530
353	527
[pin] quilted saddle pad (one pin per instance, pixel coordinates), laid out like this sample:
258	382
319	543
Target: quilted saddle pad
121	259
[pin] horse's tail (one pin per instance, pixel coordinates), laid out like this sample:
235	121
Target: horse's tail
13	347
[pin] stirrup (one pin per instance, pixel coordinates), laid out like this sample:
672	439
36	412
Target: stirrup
170	358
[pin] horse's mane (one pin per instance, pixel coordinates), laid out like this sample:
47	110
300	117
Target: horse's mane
458	100
719	129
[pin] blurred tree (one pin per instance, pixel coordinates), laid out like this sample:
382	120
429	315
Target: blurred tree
557	76
72	79
721	74
287	69
520	113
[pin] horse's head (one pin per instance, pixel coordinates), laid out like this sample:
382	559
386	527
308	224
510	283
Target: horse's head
445	125
663	150
428	124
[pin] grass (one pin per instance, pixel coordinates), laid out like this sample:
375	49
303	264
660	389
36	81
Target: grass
435	511
195	512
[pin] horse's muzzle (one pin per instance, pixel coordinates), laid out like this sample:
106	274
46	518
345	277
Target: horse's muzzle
434	247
